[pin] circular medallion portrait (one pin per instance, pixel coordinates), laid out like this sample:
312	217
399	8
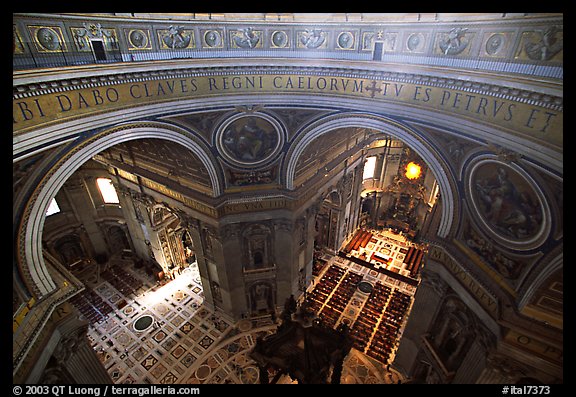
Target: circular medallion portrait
508	204
249	140
48	39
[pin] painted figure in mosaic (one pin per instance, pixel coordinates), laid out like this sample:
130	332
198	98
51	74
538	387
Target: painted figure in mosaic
510	210
248	141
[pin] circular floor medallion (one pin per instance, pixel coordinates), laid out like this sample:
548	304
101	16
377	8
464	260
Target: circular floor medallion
143	323
203	372
365	287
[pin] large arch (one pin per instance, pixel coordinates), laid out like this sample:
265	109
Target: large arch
29	240
385	125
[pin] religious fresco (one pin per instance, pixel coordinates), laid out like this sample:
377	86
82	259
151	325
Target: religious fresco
506	201
249	140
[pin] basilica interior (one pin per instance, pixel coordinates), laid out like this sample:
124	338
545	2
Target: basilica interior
287	198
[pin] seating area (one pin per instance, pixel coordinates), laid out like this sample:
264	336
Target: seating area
122	280
92	306
413	259
333	309
367	320
324	287
318	266
379	315
388	331
360	239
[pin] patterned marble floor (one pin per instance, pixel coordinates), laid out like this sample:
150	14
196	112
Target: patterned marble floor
187	343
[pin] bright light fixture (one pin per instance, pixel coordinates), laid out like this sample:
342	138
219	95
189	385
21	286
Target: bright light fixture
413	170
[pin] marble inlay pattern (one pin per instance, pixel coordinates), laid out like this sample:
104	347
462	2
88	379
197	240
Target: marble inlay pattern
188	343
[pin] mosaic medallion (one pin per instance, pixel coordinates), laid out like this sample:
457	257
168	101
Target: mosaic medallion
508	203
249	375
249	140
48	38
170	378
186	328
206	342
279	39
495	43
160	336
345	40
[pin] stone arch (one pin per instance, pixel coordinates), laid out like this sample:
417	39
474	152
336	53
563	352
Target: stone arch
538	278
29	239
412	138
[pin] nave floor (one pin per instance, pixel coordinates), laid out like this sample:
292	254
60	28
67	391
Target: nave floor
188	344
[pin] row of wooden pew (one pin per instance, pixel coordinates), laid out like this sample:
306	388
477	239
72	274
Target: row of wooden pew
324	287
92	306
360	239
413	259
368	317
340	299
124	282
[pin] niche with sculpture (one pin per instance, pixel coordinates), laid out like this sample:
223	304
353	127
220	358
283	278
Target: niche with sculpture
453	333
261	297
70	249
257	242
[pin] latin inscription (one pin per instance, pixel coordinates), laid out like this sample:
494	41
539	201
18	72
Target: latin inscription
487	301
521	117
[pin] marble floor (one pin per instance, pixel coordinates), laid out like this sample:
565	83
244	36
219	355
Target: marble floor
186	343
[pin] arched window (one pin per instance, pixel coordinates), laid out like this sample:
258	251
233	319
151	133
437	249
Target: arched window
107	191
52	208
369	167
